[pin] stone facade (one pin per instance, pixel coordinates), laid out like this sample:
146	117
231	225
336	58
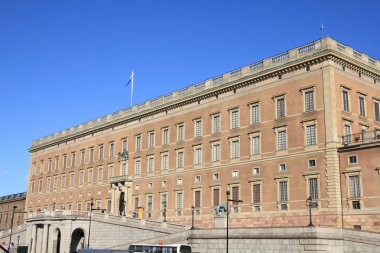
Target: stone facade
271	132
7	205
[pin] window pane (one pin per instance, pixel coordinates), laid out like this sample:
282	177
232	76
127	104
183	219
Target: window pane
309	101
313	188
284	191
280	107
354	186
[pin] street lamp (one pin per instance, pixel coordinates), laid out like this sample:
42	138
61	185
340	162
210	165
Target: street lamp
13	214
89	225
192	217
53	206
312	204
164	205
228	192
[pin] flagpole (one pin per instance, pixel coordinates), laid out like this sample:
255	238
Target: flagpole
132	77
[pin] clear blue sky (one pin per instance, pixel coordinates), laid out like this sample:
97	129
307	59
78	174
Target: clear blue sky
66	62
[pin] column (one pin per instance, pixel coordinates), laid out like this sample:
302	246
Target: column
113	200
34	239
45	238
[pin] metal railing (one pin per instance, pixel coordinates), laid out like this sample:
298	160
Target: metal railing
361	138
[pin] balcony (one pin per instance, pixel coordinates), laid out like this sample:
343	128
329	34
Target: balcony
364	137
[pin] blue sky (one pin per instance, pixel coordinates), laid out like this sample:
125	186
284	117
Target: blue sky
66	62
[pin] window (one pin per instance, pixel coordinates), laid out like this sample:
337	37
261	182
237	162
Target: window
136	202
352	159
180	132
283	192
312	163
197	199
197	155
282	167
101	152
150	164
179	200
164	199
198	128
123	169
362	106
235	194
280	106
42	165
376	105
345	95
180	158
310	135
255	113
73	158
256	171
216	123
124	144
216	198
100	174
235	173
281	139
110	171
215	176
57	163
165	136
34	165
309	100
164	183
63	181
256	193
50	164
137	187
138	142
234	113
179	181
197	179
82	157
64	161
354	186
150	185
313	188
48	184
165	161
111	149
347	132
91	155
79	206
55	186
216	151
72	178
81	177
138	167
255	143
151	139
235	144
90	176
149	204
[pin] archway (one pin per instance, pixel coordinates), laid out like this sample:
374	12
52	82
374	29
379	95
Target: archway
57	241
121	203
77	240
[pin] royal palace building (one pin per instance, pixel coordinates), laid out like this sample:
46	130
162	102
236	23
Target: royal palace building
297	129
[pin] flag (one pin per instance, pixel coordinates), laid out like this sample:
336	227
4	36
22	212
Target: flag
131	79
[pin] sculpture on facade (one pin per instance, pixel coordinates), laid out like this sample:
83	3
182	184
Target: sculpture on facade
220	210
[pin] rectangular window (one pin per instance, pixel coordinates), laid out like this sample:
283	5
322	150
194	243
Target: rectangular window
165	161
215	152
234	118
138	167
376	105
149	204
255	144
198	128
309	101
164	199
283	187
50	164
216	194
63	181
281	140
55	183
255	113
352	159
42	165
354	186
151	164
235	148
90	176
180	134
110	171
112	149
347	133
216	123
198	156
138	142
64	161
197	199
235	194
83	157
310	135
123	169
81	177
151	139
100	174
73	158
280	107
180	159
165	136
362	106
313	188
72	178
48	184
179	200
57	163
136	203
91	155
346	106
124	144
256	198
101	152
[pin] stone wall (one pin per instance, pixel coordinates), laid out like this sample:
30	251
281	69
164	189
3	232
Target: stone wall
16	231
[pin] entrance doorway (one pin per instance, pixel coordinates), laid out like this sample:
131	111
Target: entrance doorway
77	240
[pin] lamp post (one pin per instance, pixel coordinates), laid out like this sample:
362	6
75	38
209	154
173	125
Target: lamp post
89	225
311	204
228	192
53	206
164	205
192	217
13	214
